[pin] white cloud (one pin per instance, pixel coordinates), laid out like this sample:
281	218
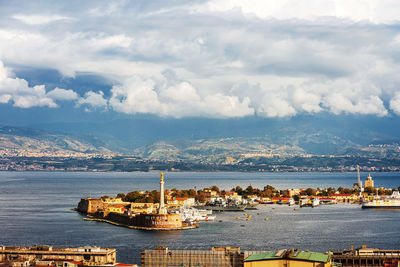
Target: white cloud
228	58
62	94
93	99
18	91
395	103
175	99
377	11
39	19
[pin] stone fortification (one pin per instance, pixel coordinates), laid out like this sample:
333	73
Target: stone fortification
91	205
158	221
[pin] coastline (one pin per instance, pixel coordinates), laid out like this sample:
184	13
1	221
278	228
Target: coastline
90	218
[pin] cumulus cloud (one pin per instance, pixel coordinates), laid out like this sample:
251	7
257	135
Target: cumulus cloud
62	94
173	98
93	99
395	103
18	91
215	58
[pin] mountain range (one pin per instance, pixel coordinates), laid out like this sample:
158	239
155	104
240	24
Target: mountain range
210	140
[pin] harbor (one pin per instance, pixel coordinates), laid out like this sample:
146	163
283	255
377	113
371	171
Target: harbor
38	205
184	209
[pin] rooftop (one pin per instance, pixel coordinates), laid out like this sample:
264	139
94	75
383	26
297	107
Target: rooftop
290	254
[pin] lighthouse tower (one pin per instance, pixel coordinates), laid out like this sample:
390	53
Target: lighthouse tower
162	209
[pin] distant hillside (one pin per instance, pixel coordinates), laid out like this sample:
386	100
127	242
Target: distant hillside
19	141
239	150
212	140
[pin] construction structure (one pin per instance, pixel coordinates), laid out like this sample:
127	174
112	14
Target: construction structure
216	257
365	256
89	255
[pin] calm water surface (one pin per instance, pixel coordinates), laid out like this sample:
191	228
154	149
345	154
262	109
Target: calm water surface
35	208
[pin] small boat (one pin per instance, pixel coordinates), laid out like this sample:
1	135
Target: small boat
309	202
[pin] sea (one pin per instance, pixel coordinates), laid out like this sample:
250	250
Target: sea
36	208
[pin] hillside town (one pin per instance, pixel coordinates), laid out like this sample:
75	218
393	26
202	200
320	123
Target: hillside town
117	163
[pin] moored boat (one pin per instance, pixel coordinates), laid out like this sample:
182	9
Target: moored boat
390	202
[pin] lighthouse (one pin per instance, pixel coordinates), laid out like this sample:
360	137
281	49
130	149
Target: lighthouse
162	209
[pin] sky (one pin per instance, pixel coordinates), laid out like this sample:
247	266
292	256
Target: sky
214	59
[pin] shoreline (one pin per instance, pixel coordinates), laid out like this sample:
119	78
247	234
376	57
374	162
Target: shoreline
192	171
138	227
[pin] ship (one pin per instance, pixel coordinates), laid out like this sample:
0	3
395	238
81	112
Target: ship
389	202
193	214
220	204
289	201
309	202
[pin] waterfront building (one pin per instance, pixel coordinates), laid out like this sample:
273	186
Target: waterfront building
369	183
365	256
232	195
89	255
210	193
345	197
113	200
116	209
137	208
293	192
281	200
216	257
177	202
287	257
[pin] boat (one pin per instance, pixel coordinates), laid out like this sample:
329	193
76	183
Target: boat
266	202
250	204
289	202
220	204
193	214
309	202
327	201
389	202
223	207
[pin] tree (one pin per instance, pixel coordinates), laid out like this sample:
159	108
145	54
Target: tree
249	190
269	187
215	188
121	195
238	190
330	191
311	192
348	191
285	193
268	193
369	190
